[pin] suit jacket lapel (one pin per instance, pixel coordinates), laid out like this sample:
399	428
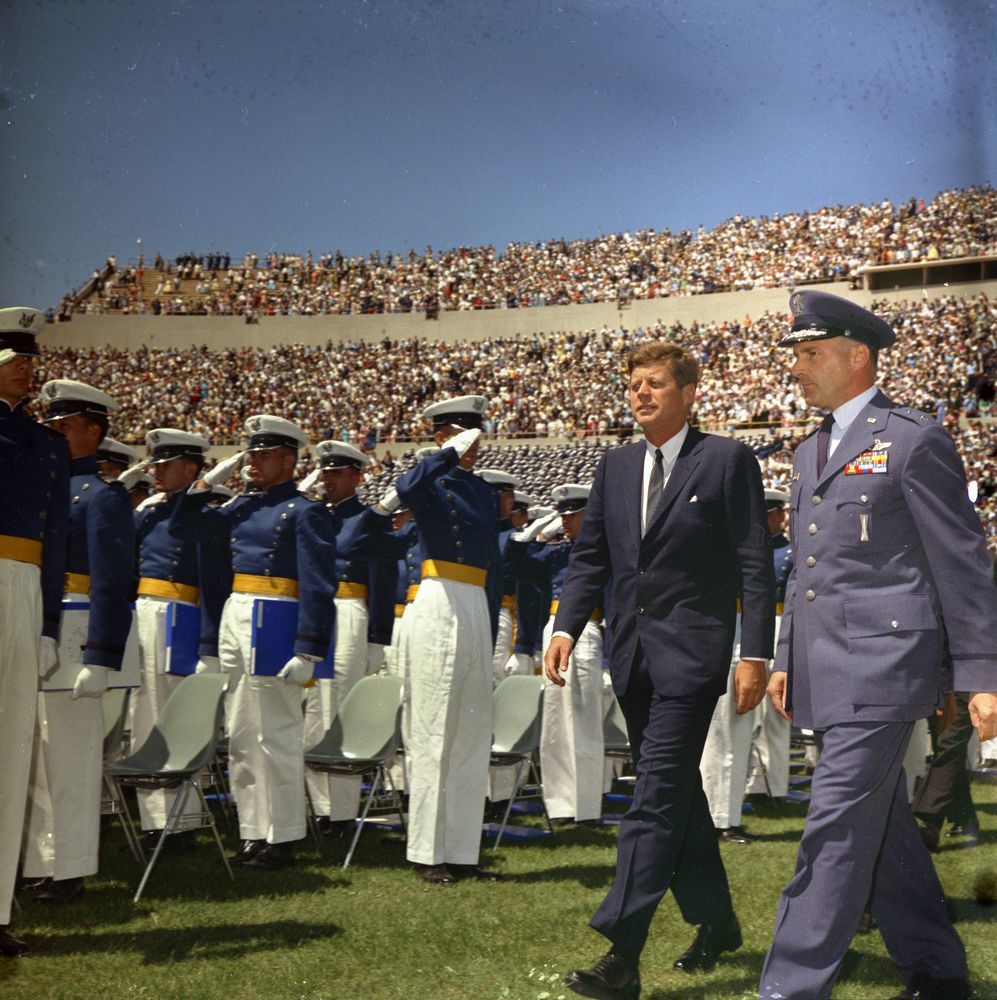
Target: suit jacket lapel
688	459
859	437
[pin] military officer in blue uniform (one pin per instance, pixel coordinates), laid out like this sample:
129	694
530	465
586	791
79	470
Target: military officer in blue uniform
282	550
450	637
891	573
62	832
34	525
171	572
365	597
533	598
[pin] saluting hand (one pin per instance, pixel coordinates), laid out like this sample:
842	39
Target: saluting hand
983	713
556	658
777	693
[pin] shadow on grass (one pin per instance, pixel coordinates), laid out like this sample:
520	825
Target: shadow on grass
209	942
587	876
964	910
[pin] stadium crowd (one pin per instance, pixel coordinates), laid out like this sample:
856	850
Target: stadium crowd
740	254
564	386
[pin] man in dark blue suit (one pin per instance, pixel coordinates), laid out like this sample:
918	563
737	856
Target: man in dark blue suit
891	574
678	523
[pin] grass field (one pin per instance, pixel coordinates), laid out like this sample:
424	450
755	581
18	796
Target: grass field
377	932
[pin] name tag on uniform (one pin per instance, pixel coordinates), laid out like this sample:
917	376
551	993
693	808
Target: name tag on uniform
868	463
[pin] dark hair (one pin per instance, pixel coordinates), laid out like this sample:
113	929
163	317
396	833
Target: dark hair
684	368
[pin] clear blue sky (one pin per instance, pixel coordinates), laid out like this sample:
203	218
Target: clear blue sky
389	124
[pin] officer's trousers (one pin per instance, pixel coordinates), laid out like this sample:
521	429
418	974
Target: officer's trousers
266	736
449	704
148	699
20	637
572	749
334	796
62	826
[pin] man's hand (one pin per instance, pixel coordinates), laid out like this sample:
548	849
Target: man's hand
556	658
749	684
48	660
777	693
208	665
983	713
227	467
91	682
132	475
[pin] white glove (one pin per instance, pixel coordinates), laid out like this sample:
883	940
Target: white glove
208	665
224	469
131	476
7	355
519	664
48	657
376	655
553	527
462	442
310	480
91	682
389	503
297	670
529	533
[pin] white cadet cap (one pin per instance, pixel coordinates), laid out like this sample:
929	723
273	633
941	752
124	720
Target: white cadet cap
570	497
111	450
168	443
19	326
776	498
430	449
523	501
266	432
339	455
65	397
498	478
461	411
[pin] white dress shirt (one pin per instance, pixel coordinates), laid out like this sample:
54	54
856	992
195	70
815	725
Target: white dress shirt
669	453
845	414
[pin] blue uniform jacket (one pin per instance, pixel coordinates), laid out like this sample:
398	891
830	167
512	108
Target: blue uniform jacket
277	533
782	562
888	563
379	575
165	555
34	499
101	546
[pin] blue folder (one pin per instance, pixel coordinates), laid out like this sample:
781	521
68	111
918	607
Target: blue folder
275	625
183	637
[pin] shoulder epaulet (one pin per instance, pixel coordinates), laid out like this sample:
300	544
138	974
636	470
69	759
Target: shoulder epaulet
918	417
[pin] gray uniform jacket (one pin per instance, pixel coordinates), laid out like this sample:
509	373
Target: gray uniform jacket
891	569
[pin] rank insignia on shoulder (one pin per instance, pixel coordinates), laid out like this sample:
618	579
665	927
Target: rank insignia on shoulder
869	462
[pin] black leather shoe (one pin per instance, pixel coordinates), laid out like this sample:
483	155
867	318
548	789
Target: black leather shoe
461	872
249	848
435	874
926	987
711	940
336	828
31	884
613	977
10	946
271	857
735	835
63	890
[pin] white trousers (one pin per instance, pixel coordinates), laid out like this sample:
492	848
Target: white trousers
449	705
724	765
502	779
331	795
148	699
572	751
62	827
396	663
20	638
266	736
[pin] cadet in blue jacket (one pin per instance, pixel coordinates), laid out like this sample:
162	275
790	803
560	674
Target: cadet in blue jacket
283	550
62	833
34	523
891	572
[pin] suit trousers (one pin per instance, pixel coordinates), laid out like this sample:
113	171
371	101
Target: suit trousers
20	636
860	850
944	793
667	839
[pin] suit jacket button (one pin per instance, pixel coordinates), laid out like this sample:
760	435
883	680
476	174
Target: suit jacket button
810	595
815	501
811	561
812	529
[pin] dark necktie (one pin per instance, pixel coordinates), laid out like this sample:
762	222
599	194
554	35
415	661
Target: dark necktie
654	487
823	442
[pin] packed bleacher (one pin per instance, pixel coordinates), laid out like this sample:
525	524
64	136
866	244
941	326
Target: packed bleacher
565	386
740	254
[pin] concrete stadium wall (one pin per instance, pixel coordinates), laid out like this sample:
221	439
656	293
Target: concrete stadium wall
219	332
